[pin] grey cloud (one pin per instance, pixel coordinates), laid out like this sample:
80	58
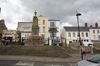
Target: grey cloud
63	10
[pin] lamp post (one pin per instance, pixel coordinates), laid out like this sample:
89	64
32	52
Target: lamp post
79	14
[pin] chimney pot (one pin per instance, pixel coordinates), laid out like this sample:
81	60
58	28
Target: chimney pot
96	24
90	25
86	24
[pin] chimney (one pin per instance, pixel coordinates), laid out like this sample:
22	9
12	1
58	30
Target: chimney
96	24
86	24
90	25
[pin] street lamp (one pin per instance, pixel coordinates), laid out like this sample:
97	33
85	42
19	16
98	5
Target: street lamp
79	14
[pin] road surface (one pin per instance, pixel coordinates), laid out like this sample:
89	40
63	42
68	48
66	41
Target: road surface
27	63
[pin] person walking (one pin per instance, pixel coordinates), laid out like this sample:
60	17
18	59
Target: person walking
83	51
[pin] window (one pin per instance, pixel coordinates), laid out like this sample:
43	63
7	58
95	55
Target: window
82	34
43	22
77	34
97	31
52	24
94	36
53	34
73	34
43	37
39	29
93	31
43	29
98	36
26	29
86	34
27	35
38	21
69	34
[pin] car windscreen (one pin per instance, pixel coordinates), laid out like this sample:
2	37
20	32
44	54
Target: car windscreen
95	59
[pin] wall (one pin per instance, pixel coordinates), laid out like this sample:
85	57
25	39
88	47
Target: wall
41	26
57	25
63	35
96	34
22	25
76	37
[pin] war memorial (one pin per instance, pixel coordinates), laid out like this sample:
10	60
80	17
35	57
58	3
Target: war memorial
34	39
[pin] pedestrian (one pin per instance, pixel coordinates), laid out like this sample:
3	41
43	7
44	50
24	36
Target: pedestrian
6	43
83	51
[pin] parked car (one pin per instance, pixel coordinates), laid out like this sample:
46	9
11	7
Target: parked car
88	43
93	61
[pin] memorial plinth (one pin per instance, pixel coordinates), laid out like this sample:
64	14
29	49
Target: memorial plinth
34	39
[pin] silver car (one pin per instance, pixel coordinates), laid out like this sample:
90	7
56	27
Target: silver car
93	61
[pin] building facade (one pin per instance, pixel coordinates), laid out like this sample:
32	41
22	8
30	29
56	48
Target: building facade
54	31
87	34
43	28
71	34
95	33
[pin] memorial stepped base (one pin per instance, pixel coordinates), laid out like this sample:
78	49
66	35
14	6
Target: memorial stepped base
44	51
34	41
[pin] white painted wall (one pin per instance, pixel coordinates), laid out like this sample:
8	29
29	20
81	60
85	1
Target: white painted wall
96	34
76	37
58	28
57	25
23	35
22	25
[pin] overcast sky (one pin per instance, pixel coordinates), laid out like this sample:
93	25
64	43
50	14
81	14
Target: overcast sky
14	11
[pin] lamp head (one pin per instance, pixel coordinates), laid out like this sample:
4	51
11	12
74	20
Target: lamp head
78	14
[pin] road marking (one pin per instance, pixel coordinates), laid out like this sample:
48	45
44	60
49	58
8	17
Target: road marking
73	65
53	65
25	63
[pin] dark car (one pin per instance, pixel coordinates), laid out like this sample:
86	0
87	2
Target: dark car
93	61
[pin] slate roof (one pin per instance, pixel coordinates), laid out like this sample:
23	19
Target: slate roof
94	27
76	28
24	22
53	20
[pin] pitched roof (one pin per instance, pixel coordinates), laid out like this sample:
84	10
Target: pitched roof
94	27
53	20
76	28
24	22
